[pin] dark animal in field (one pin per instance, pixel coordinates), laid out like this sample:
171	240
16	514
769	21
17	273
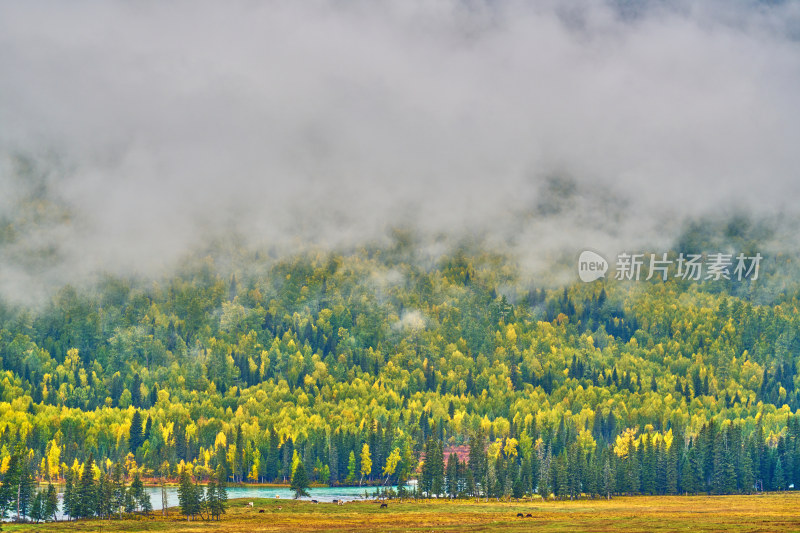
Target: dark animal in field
384	506
519	515
261	510
529	515
314	501
334	501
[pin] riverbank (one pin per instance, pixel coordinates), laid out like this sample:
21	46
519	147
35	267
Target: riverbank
773	512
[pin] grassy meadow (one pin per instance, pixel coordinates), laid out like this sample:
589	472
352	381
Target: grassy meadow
772	512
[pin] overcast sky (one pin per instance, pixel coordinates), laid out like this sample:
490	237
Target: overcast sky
158	124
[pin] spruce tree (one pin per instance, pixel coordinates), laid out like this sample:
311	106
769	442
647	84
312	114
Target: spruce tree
672	467
452	475
222	490
51	503
135	438
210	501
86	500
118	489
9	490
216	495
437	468
25	493
105	496
478	461
299	482
608	478
188	497
69	495
37	508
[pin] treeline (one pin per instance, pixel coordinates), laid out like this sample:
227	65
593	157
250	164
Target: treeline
92	492
720	460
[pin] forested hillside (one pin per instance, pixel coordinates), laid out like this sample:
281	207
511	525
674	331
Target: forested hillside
368	366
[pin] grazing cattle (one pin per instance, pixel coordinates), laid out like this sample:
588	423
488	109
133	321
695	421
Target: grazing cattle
519	515
249	504
279	508
261	510
384	506
529	515
314	501
341	502
334	501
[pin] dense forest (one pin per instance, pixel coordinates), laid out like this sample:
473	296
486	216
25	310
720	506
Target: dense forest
379	365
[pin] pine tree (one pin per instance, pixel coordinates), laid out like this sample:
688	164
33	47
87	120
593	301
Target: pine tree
135	438
779	482
222	490
105	496
672	467
140	496
216	494
452	475
545	462
437	468
69	495
300	481
9	490
746	476
690	478
188	497
210	501
25	492
118	489
50	503
86	500
37	508
608	478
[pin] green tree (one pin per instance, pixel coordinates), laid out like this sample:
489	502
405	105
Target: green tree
136	436
188	496
10	489
351	468
300	483
37	508
118	489
70	499
216	494
86	497
51	503
140	496
452	475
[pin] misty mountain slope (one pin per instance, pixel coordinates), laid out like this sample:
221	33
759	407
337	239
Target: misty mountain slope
338	346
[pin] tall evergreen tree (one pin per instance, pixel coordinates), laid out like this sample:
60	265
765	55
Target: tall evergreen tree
188	497
135	438
70	500
51	503
86	496
299	482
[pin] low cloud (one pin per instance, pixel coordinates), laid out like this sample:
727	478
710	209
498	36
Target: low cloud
131	132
